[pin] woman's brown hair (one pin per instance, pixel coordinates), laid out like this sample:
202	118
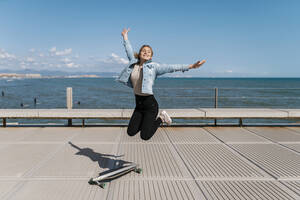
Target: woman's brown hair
137	55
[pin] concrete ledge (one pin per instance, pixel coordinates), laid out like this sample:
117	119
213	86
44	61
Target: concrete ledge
245	113
294	113
199	113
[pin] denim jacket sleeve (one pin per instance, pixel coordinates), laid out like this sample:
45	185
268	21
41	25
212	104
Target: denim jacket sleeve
128	49
167	68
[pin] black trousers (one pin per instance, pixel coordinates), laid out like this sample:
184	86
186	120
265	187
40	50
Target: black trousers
144	117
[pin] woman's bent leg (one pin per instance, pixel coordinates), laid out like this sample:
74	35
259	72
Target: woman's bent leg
135	122
150	124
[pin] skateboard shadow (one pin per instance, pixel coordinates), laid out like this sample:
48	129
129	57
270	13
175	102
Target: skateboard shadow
104	160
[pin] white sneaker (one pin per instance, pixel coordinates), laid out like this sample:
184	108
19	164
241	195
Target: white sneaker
165	117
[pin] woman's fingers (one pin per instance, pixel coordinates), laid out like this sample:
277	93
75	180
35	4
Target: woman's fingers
199	63
125	31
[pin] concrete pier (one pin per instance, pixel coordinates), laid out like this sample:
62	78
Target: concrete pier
178	163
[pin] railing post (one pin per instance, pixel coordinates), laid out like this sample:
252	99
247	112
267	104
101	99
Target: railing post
4	122
216	102
69	103
69	98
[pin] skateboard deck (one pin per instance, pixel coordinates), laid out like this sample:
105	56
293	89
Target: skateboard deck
101	180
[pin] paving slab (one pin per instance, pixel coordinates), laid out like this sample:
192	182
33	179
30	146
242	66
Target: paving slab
293	185
12	134
178	163
158	161
277	134
184	135
52	134
235	135
99	135
217	161
231	190
78	160
159	137
16	159
295	129
155	189
58	190
273	158
6	186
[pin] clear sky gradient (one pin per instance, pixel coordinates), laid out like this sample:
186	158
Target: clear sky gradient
254	38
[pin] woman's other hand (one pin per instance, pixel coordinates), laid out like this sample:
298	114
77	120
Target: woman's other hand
197	64
125	33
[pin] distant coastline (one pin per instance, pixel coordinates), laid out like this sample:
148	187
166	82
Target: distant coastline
15	75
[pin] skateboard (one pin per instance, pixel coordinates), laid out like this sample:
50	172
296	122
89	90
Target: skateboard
101	180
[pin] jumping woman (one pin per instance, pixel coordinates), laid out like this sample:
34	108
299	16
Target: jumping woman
140	75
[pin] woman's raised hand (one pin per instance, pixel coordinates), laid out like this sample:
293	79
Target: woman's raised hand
125	33
197	64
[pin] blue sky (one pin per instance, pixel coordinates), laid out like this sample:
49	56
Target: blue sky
254	38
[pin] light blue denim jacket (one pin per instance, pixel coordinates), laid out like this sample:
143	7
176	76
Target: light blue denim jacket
151	70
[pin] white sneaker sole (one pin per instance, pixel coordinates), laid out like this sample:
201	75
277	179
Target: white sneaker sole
166	117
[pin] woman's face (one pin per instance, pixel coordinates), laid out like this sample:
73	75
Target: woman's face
146	53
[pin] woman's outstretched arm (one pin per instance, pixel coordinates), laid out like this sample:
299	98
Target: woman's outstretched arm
164	68
127	45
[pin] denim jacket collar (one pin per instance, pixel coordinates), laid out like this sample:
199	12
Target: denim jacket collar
146	62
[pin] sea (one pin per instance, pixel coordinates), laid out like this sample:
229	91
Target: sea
106	93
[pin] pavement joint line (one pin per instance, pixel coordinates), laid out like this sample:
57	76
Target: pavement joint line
146	143
14	190
248	142
241	156
36	143
233	179
289	179
289	142
94	142
167	134
276	143
87	178
149	178
113	163
216	142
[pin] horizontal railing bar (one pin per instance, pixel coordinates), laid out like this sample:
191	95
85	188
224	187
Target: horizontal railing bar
233	88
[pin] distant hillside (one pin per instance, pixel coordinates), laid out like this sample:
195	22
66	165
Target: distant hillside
59	73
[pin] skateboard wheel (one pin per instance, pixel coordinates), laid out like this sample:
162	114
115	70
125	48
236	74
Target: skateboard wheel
102	185
91	181
138	170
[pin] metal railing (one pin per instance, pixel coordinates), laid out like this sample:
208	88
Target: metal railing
215	97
